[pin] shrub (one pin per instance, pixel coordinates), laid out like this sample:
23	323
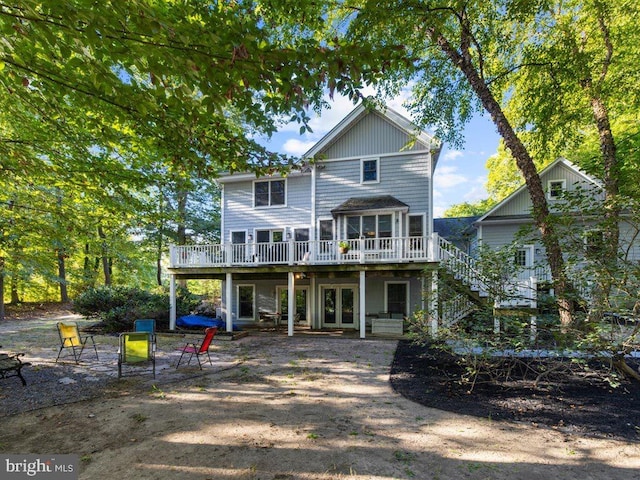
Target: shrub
118	307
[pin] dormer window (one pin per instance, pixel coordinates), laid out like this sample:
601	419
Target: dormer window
269	193
555	189
369	171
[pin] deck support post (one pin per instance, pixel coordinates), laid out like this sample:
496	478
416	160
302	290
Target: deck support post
226	306
291	304
362	302
172	302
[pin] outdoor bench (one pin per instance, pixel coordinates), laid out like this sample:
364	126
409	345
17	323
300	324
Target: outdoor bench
10	366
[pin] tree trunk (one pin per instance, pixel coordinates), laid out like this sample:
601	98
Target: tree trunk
62	277
2	311
106	267
611	235
463	61
15	295
88	270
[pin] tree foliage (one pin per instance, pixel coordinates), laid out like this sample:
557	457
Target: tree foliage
119	109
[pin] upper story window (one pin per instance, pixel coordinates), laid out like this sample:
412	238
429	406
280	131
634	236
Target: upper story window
370	170
326	229
594	243
269	193
555	189
416	225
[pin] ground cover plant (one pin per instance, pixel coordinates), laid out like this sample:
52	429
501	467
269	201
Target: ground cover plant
576	397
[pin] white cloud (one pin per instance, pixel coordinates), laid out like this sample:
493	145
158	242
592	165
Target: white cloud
477	191
339	107
448	177
438	211
452	155
293	146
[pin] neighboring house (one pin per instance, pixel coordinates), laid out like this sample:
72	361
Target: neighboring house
501	225
367	187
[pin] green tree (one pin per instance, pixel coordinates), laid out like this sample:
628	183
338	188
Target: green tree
463	59
467	209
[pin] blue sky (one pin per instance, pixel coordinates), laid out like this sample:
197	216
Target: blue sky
460	175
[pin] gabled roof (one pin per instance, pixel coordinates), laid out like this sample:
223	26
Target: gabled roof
391	115
369	204
563	161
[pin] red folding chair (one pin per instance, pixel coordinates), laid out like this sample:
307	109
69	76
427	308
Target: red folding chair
197	350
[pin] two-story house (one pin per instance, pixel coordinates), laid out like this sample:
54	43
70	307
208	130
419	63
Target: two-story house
505	224
342	243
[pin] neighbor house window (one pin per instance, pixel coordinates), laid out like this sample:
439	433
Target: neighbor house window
555	189
370	170
593	243
269	193
521	258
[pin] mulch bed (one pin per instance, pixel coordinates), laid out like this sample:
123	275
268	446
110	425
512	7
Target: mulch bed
573	400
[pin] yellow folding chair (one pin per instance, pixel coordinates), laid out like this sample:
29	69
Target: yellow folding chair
136	348
70	338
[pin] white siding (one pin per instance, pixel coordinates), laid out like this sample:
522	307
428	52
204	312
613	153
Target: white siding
239	213
405	178
521	203
371	135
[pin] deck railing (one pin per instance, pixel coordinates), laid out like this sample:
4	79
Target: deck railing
316	252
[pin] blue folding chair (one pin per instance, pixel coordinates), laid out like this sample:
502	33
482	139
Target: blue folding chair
147	325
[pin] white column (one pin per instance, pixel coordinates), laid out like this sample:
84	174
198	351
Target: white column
314	321
172	302
226	306
291	304
362	298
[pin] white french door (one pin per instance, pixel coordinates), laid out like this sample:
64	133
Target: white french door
339	306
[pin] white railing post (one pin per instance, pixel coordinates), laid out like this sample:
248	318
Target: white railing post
433	247
291	248
228	251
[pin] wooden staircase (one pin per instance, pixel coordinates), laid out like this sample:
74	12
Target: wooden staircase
463	275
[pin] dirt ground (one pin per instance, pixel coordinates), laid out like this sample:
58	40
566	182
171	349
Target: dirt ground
278	407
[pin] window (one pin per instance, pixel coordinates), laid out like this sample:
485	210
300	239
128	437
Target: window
555	189
523	257
238	237
397	298
326	229
245	301
370	227
370	170
416	225
269	193
593	243
416	232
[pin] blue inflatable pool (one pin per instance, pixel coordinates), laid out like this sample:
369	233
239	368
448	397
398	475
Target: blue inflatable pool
200	321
